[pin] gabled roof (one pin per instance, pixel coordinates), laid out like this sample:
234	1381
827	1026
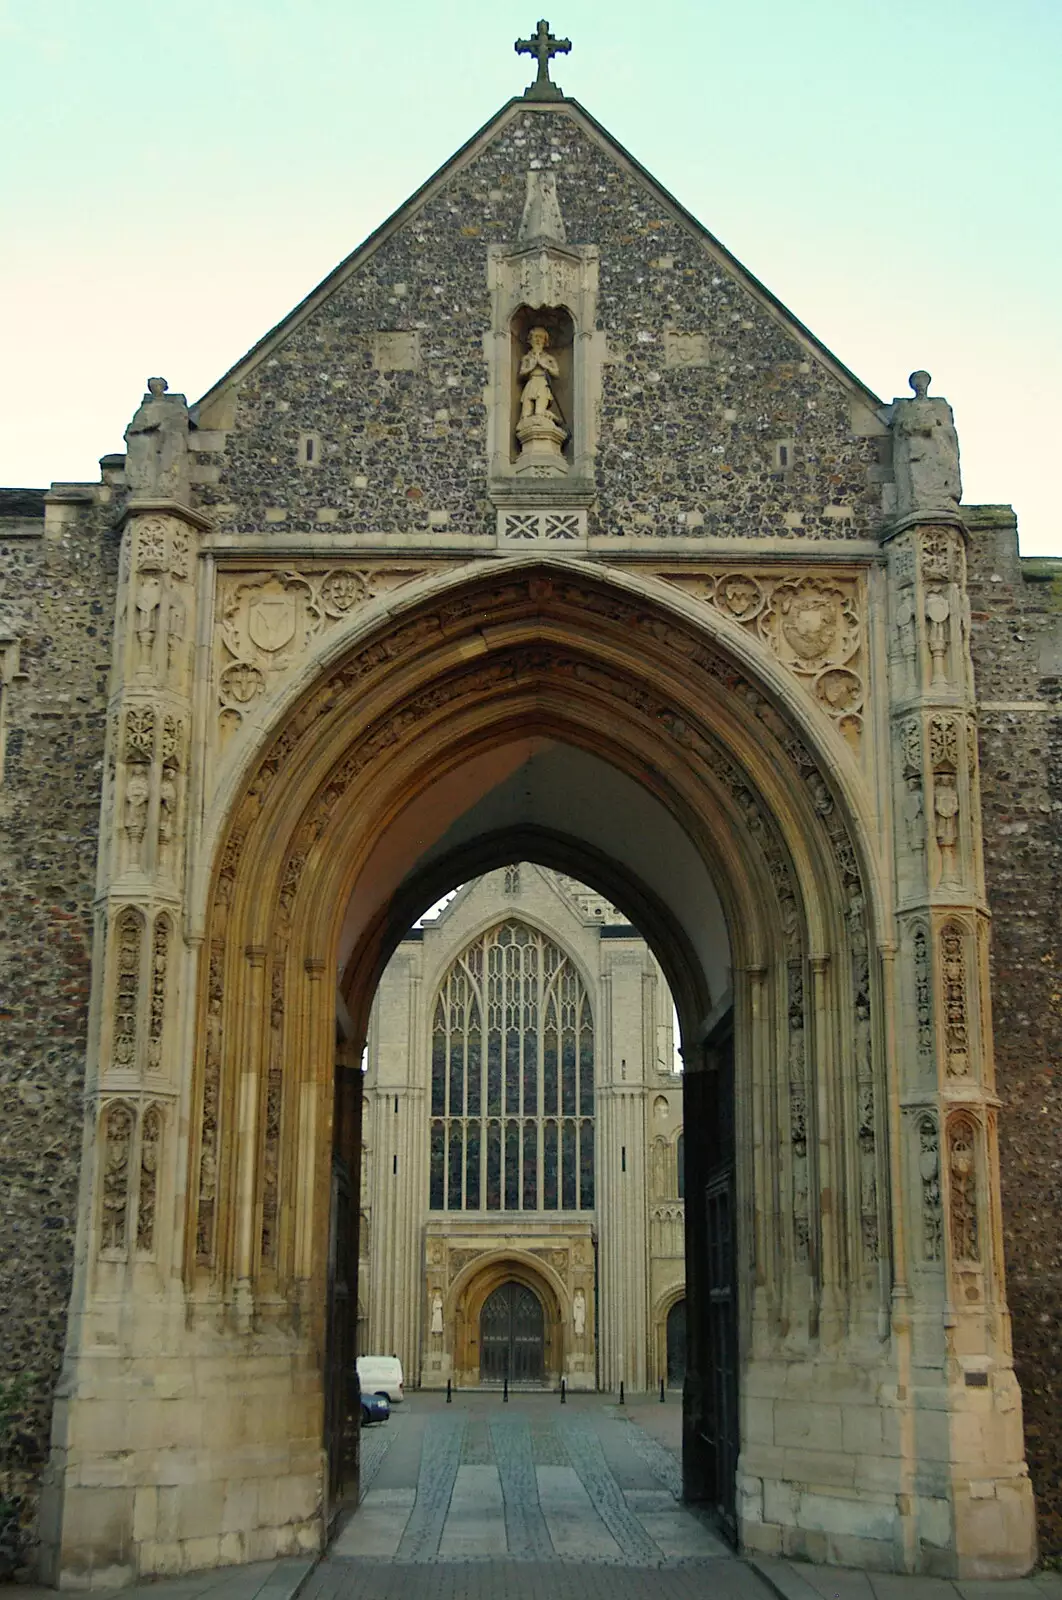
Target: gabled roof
467	153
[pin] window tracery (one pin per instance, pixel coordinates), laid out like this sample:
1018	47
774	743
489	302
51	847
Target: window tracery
512	1079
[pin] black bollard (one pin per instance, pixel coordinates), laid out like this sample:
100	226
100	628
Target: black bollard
621	1392
661	1391
505	1392
450	1398
564	1393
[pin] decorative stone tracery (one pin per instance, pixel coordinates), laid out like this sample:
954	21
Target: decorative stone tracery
129	937
962	1176
814	623
268	620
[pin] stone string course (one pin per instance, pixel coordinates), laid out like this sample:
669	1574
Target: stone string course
58	600
1017	647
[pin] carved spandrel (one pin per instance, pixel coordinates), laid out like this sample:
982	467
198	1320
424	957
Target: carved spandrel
814	623
268	622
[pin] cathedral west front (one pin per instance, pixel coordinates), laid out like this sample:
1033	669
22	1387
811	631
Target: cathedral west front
542	552
523	1157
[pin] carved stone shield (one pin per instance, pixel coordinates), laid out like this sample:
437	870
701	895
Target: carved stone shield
271	618
810	622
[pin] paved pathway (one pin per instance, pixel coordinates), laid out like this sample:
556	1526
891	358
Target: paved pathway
528	1500
528	1481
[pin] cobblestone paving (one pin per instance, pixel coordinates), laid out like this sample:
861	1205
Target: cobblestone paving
529	1488
532	1580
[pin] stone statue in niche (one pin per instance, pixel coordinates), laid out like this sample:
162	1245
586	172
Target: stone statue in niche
437	1313
946	813
579	1313
148	600
925	452
540	429
938	610
156	442
914	813
137	795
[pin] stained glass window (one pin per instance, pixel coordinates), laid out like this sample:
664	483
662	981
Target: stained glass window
512	1078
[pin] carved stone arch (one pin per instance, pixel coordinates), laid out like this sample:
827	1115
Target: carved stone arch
471	1288
296	703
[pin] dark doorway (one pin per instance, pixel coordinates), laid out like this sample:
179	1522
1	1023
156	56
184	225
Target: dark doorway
342	1412
710	1390
676	1345
512	1336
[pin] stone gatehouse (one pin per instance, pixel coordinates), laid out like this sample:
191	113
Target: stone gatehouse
539	532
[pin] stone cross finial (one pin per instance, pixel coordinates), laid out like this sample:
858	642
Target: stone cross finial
544	46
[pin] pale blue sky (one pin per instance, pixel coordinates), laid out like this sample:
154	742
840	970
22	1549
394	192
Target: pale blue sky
174	177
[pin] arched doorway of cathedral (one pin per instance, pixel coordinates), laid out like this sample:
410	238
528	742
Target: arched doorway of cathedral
509	1320
611	727
670	1338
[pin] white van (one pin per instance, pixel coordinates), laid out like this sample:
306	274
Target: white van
381	1375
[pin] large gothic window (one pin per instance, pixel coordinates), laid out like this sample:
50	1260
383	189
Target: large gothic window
512	1079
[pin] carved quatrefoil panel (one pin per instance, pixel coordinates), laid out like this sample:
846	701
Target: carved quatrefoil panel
814	623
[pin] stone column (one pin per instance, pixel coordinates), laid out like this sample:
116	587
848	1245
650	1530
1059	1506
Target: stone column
129	1241
973	1490
622	1205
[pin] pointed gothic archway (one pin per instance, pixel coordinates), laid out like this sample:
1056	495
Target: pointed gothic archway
647	742
694	780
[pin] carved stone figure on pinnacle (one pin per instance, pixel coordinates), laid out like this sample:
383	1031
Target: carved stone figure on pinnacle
925	452
156	441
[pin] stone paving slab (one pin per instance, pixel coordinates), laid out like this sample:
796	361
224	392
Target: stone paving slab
574	1527
800	1580
535	1580
475	1525
377	1527
272	1580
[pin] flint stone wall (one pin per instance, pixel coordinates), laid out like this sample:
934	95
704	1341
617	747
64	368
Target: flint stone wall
1017	647
57	593
687	432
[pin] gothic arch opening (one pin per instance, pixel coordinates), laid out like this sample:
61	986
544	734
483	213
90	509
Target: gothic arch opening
608	729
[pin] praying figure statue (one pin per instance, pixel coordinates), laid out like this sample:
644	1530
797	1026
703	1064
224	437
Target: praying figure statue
537	368
540	429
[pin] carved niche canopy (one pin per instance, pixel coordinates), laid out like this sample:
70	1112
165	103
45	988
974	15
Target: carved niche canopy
541	281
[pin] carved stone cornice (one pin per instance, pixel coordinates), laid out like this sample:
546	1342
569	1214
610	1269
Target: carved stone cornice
137	507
